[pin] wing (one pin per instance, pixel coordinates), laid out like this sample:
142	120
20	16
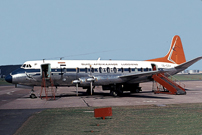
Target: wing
148	74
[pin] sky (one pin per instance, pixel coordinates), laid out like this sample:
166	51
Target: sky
89	29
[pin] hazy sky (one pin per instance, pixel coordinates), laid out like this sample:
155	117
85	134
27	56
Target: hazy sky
88	29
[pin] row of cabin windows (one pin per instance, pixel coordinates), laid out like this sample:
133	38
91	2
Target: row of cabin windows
105	70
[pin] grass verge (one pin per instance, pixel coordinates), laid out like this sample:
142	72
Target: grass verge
189	77
169	119
3	82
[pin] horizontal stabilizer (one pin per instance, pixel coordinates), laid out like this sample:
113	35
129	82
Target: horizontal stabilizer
185	65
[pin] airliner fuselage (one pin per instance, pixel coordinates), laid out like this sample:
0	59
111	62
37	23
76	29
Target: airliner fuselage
116	76
64	72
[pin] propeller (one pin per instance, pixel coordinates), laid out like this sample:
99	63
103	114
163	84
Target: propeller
91	80
77	85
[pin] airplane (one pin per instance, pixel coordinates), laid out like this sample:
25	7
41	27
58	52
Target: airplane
114	75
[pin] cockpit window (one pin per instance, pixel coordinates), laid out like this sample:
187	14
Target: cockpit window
23	66
26	66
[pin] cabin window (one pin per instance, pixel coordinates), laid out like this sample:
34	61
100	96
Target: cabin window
86	70
89	70
77	70
126	69
71	70
105	70
146	69
82	70
115	70
92	70
129	69
95	70
64	70
100	69
140	69
108	70
122	70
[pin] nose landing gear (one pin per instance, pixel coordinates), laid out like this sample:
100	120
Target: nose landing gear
32	95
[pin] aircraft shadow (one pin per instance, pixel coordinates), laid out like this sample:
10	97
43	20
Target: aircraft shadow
101	95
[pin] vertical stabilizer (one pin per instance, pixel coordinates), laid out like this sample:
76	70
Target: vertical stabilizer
176	53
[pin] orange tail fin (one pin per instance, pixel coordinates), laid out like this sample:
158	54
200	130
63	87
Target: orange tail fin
175	54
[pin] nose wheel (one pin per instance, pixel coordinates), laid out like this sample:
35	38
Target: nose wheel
32	95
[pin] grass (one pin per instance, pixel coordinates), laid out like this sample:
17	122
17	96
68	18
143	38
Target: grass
188	77
3	82
168	120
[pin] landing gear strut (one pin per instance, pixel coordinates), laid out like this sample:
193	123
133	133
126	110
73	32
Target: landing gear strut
116	91
88	91
32	95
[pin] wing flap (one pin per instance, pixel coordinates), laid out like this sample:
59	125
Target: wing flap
140	74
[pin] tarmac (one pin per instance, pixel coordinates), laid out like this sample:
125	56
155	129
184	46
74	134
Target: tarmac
16	106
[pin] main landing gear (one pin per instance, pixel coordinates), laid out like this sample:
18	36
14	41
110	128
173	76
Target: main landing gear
88	91
116	93
117	90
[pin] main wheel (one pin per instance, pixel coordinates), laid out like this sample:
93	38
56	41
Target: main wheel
136	90
114	93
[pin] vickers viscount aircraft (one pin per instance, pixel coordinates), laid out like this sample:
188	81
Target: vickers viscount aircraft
116	76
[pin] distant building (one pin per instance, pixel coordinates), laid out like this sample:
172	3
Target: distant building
191	72
6	70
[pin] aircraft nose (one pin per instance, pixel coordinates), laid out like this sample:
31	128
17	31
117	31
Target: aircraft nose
9	78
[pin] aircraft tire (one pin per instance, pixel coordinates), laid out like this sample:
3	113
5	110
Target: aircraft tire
33	96
137	90
114	93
